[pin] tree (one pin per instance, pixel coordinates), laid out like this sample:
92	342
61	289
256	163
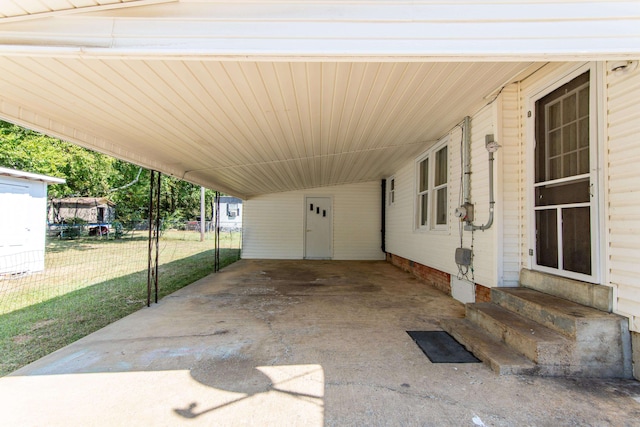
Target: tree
89	173
86	171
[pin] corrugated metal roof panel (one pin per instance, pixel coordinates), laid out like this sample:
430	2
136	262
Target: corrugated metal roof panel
12	10
249	128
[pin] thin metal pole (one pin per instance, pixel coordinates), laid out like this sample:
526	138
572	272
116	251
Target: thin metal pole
150	238
217	233
202	218
158	190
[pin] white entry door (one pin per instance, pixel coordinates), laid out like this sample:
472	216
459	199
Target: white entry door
318	235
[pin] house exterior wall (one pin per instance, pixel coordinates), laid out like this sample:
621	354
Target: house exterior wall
511	177
502	251
23	206
622	177
619	151
231	222
619	157
274	224
436	249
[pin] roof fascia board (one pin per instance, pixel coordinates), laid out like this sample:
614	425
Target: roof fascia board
338	31
626	51
15	173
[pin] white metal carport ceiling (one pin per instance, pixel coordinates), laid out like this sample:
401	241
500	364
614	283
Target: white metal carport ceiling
260	97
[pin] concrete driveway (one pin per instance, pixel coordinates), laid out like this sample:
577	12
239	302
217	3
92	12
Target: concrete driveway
306	343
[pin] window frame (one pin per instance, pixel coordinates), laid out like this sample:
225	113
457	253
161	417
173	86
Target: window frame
431	192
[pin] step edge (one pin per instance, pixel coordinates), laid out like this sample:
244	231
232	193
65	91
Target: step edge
545	332
545	347
598	314
521	366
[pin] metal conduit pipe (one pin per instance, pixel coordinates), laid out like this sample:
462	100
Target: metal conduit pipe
466	160
491	147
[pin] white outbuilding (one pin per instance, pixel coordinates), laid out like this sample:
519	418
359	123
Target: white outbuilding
23	220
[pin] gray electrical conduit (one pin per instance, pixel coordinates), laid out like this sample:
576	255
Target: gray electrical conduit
491	147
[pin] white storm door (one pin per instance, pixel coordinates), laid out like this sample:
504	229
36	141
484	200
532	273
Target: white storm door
318	235
565	186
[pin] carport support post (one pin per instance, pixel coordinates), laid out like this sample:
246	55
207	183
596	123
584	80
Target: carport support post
154	234
202	217
216	234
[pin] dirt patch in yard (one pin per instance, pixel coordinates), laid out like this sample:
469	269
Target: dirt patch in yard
21	339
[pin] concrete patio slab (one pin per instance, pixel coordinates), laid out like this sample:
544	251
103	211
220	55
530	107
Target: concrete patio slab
306	343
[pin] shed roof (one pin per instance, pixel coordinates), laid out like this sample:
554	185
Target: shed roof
84	201
14	173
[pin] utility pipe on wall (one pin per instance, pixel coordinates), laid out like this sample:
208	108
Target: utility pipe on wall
466	160
491	147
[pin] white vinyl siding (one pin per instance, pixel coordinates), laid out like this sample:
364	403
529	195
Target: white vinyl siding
623	207
483	242
273	224
512	182
621	151
437	250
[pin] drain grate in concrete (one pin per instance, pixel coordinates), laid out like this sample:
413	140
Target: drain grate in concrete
440	347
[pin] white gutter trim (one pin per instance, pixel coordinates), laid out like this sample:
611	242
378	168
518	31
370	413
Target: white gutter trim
208	55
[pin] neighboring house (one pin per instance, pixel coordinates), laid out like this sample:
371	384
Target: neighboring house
93	210
23	220
357	130
230	213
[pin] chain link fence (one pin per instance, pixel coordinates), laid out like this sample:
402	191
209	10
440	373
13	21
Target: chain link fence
109	259
93	271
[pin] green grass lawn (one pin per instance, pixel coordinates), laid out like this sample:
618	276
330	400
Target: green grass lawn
89	283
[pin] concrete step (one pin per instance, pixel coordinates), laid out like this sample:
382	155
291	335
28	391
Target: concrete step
596	296
566	317
494	353
531	339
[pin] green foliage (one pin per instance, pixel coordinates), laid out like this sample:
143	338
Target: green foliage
86	171
96	175
133	201
39	329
